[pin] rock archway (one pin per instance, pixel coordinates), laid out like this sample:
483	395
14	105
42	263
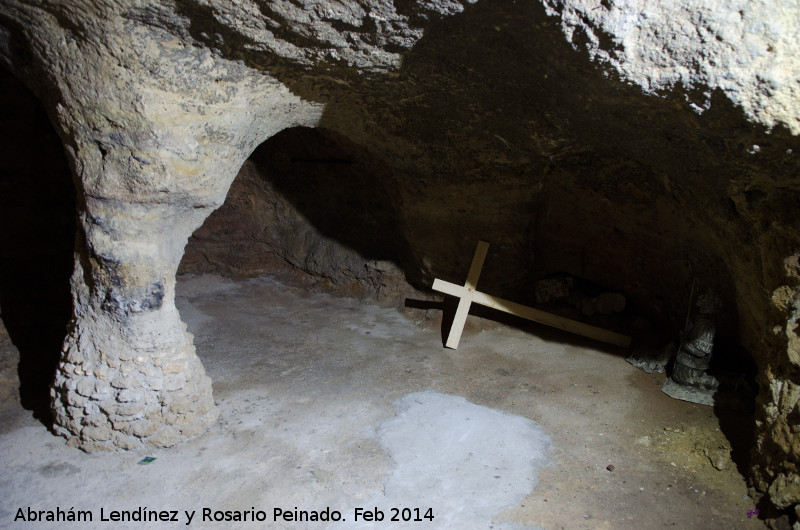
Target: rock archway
153	153
315	208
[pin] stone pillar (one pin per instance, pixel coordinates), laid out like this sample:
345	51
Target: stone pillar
149	173
155	130
129	374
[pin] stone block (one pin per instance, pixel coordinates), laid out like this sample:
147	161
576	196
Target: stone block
211	416
165	437
93	446
149	370
101	386
73	424
130	381
132	408
771	413
188	390
102	372
553	289
789	396
75	412
60	414
75	399
129	395
775	387
96	420
174	366
155	382
182	420
102	390
785	490
141	428
152	409
61	431
120	423
125	442
126	368
180	405
109	406
96	433
204	404
73	356
173	382
193	428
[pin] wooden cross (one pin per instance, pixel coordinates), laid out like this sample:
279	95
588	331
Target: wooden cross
468	294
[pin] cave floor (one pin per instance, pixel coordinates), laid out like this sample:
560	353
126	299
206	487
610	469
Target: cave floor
304	379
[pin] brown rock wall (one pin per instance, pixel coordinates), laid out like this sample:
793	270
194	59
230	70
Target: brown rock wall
493	128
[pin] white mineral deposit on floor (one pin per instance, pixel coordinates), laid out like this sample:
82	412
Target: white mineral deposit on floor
338	403
465	461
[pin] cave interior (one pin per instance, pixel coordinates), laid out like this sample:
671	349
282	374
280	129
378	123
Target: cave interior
493	128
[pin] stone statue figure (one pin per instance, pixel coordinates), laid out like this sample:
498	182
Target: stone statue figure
694	354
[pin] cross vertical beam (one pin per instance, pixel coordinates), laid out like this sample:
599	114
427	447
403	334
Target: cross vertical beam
468	294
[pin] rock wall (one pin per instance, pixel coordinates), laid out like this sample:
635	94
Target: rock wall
312	207
653	147
746	49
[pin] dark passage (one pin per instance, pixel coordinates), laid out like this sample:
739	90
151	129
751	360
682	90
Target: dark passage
37	205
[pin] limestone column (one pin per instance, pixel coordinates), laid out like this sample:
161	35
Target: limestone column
155	130
129	373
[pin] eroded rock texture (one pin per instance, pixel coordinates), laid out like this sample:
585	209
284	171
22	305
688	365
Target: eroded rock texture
745	48
652	148
154	130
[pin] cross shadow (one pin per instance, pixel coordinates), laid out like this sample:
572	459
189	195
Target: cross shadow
448	307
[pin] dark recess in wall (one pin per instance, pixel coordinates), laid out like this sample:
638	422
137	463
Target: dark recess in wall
312	207
37	226
343	190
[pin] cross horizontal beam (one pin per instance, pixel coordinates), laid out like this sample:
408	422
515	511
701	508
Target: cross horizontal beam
468	294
